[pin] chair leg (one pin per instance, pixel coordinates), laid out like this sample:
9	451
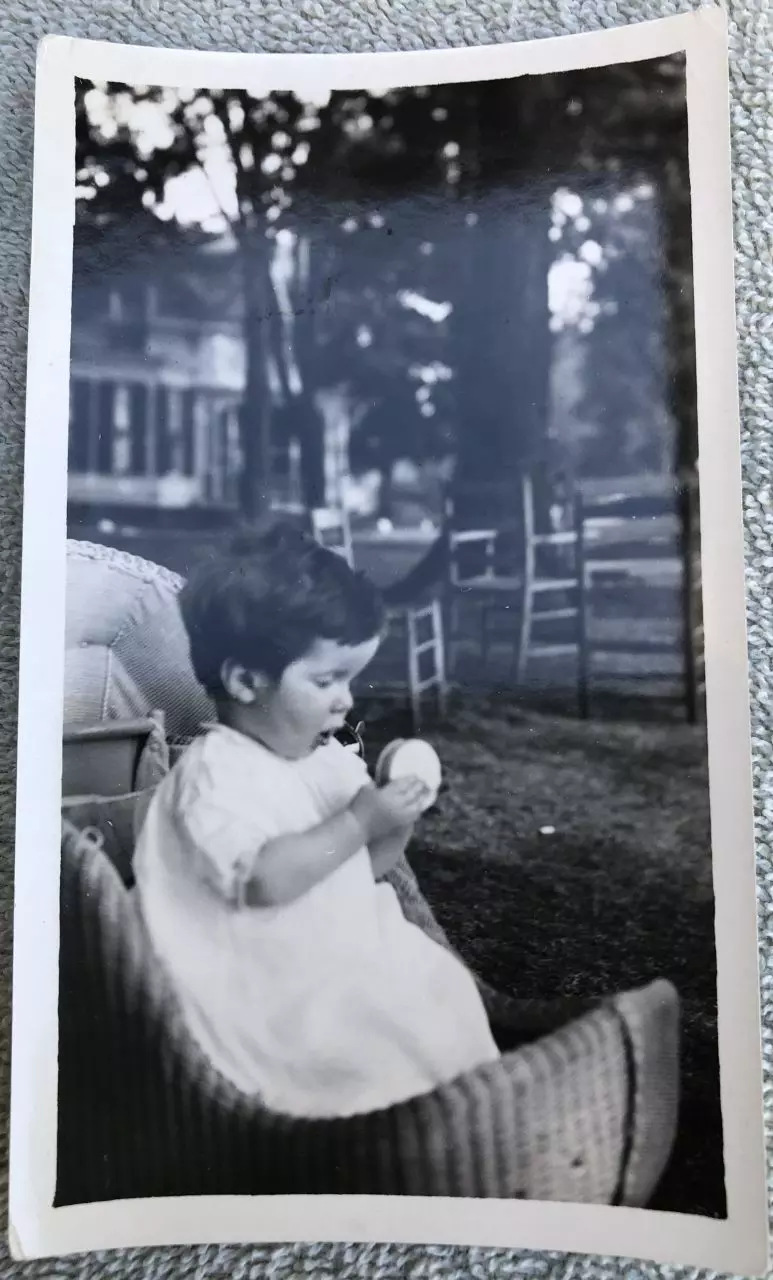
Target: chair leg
689	657
583	654
439	653
484	637
450	641
583	651
583	694
524	639
689	598
690	678
489	610
413	671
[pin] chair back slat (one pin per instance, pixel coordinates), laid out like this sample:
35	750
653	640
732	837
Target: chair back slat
331	528
471	556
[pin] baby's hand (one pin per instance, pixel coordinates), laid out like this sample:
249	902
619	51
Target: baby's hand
381	810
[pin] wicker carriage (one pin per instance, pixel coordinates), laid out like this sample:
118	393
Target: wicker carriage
586	1114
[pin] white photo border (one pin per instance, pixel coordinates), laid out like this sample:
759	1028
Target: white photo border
736	1244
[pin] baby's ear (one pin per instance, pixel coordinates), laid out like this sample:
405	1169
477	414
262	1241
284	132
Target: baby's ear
240	683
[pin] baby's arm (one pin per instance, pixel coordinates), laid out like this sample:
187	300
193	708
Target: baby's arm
386	853
289	866
219	820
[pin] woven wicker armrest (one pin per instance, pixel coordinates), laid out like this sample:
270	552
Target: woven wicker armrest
586	1114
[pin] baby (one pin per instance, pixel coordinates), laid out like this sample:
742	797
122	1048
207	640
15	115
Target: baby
257	864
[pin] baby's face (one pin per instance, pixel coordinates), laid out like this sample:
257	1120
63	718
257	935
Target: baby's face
313	697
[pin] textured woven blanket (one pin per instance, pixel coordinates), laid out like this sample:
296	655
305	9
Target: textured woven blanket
323	26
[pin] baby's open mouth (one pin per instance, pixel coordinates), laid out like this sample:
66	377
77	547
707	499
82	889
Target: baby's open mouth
344	733
328	734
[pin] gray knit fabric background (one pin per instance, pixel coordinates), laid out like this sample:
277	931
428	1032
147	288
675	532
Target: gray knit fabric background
350	25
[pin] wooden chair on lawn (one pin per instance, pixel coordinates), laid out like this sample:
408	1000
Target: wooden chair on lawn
419	625
476	578
650	537
553	594
479	574
484	573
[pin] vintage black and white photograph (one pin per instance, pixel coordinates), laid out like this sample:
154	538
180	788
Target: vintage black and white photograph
386	858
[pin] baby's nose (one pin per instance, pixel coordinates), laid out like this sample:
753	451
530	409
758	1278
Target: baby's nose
344	701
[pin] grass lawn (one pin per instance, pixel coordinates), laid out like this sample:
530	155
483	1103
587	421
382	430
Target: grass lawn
572	858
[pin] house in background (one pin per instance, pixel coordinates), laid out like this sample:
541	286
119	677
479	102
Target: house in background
157	376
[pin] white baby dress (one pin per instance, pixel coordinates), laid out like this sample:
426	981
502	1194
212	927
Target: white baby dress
331	1005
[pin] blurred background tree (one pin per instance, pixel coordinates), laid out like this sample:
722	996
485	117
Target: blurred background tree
400	250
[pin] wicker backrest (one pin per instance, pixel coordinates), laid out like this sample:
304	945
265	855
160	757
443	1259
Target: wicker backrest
584	1115
126	648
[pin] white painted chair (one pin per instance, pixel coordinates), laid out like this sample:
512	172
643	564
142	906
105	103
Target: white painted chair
479	574
478	571
433	680
546	577
476	579
420	624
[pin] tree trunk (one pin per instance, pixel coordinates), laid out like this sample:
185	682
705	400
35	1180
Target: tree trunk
305	414
255	410
255	429
500	329
503	358
307	425
386	495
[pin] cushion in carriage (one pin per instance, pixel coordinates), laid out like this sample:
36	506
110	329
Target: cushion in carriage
126	650
586	1115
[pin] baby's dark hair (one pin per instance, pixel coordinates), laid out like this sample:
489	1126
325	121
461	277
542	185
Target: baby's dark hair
265	600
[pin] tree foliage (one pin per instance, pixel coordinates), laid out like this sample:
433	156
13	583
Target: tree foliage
340	212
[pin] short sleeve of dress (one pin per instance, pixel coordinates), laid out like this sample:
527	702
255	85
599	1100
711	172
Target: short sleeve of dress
217	814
